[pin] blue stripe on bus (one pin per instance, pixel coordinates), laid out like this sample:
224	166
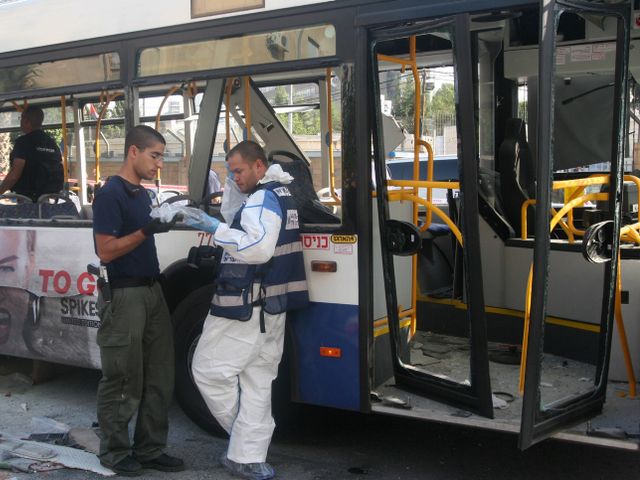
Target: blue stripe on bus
326	381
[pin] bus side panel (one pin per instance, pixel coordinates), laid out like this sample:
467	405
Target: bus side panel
47	298
330	381
329	322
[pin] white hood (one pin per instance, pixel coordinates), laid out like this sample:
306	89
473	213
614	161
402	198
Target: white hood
276	174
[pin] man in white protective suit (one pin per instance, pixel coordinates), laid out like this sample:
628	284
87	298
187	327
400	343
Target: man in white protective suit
261	277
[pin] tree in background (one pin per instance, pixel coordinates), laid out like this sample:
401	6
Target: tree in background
306	123
443	100
403	102
440	107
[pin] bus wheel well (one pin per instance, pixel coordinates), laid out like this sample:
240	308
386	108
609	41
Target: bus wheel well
179	280
188	319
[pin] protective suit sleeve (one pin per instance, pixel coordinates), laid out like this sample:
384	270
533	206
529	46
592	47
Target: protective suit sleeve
232	200
261	220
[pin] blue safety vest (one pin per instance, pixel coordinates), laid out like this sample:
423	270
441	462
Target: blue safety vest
278	285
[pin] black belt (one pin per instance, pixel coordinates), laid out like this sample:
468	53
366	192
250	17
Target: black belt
133	282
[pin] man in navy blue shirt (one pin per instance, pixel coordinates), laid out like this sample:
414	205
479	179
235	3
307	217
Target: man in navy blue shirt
135	334
36	162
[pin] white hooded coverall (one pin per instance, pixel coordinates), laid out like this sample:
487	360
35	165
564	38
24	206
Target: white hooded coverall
234	364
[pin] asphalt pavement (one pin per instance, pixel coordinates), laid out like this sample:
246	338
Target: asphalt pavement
323	445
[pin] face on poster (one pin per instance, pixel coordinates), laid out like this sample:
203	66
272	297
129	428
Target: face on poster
17	257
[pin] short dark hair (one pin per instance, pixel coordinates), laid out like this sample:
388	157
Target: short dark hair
250	151
142	137
34	115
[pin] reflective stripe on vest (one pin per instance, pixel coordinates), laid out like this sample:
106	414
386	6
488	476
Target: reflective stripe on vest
278	286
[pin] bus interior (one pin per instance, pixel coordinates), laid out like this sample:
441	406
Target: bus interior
440	345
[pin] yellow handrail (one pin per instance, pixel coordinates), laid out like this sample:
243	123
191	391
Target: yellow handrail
559	185
424	184
247	107
417	143
170	92
332	180
527	317
400	61
430	166
227	114
20	108
65	150
578	185
105	99
399	195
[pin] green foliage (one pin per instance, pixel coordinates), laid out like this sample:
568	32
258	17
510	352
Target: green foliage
281	97
442	103
305	123
403	104
443	100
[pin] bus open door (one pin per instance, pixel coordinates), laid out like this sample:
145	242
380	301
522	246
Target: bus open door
398	205
543	413
477	316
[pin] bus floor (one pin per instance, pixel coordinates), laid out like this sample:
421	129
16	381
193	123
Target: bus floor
448	357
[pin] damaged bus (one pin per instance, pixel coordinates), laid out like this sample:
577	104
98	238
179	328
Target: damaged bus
492	286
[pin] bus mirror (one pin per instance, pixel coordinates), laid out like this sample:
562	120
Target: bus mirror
402	238
596	245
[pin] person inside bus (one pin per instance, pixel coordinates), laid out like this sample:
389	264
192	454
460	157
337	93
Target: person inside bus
261	277
213	186
135	334
35	161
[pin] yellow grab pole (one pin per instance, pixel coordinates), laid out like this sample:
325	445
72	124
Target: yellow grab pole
417	142
247	107
105	99
227	114
332	179
527	308
410	196
20	108
170	92
65	148
525	331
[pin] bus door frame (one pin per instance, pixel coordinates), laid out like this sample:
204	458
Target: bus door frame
538	424
476	396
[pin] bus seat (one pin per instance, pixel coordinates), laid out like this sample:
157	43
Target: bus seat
55	205
310	209
86	212
13	205
517	180
436	230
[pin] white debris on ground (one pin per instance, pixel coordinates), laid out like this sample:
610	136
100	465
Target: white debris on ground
32	440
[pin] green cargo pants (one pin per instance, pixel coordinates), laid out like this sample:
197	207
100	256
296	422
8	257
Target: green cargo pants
136	349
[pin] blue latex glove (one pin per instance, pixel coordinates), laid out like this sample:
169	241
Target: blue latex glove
204	223
229	172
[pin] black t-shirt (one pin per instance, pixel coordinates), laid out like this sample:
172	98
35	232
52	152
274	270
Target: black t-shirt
121	208
43	171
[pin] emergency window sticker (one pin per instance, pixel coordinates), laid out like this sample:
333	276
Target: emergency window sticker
343	244
315	242
343	238
292	220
